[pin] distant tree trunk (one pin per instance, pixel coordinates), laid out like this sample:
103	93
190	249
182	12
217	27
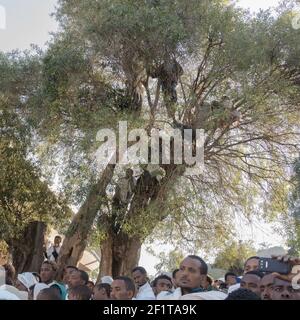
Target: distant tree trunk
76	238
28	250
119	255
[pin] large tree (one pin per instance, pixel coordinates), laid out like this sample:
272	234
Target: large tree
164	64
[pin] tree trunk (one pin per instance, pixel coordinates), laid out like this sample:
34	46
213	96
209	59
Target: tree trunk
28	250
120	252
119	255
76	238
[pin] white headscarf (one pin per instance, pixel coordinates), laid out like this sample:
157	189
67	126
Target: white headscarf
37	288
6	295
27	279
10	291
107	279
207	295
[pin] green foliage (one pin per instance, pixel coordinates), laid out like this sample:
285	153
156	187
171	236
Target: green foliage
169	261
291	221
233	256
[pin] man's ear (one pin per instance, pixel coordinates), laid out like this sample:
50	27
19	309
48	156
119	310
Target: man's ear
130	294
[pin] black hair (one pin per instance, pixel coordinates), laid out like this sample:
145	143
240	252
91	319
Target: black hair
253	257
203	267
142	270
128	283
242	294
209	280
82	292
256	273
52	264
10	274
174	273
104	286
229	274
84	276
50	293
162	276
71	267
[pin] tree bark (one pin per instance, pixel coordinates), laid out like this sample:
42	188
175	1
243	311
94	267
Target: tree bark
75	241
120	253
28	250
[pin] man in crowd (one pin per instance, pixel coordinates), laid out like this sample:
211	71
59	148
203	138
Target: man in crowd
78	278
47	274
230	279
81	292
53	251
251	281
144	290
242	294
283	290
101	291
68	270
266	286
162	283
48	294
122	288
191	274
251	264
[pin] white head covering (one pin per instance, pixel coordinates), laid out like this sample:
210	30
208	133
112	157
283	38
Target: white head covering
107	279
6	295
21	295
207	295
37	288
27	279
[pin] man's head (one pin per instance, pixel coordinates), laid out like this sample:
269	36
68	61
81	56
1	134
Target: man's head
68	270
251	264
207	281
139	275
78	278
10	274
266	285
48	271
175	278
283	290
242	294
192	272
251	281
122	288
230	279
101	291
81	292
91	285
162	283
57	241
48	294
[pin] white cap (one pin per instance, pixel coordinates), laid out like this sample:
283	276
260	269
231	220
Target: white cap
107	279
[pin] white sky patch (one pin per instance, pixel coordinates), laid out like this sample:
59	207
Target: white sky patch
2	18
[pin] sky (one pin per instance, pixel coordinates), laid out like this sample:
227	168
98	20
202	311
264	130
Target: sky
26	22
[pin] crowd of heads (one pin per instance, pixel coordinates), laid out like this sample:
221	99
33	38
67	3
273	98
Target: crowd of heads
191	280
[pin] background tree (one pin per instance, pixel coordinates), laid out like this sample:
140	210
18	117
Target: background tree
291	222
233	256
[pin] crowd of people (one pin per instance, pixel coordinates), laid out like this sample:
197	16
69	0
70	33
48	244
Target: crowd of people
190	281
